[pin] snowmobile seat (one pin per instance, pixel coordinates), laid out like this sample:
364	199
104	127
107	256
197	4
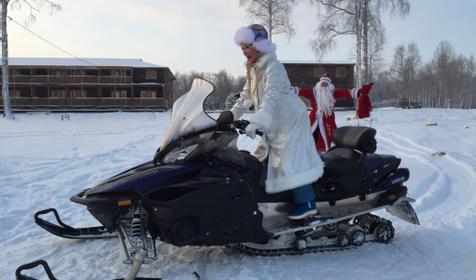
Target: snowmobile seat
342	175
356	137
339	152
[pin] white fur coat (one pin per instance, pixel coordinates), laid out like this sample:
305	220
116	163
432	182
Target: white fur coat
293	159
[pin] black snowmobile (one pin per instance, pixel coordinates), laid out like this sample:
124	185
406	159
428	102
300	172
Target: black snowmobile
201	190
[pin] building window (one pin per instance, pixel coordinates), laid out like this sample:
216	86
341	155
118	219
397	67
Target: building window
40	72
148	94
118	72
57	93
22	72
58	72
90	93
40	92
319	71
150	74
105	72
106	93
22	93
120	94
341	72
77	72
77	94
160	93
91	72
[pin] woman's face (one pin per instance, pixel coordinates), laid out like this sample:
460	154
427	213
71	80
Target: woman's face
250	53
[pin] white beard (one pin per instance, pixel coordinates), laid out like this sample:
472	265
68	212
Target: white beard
325	99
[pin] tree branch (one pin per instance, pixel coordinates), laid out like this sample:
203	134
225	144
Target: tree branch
329	5
31	6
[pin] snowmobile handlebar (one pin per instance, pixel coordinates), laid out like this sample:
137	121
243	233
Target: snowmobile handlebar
226	119
242	124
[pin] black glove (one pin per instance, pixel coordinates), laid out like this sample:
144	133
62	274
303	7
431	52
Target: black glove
225	118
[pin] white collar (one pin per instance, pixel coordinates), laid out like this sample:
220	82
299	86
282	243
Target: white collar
265	59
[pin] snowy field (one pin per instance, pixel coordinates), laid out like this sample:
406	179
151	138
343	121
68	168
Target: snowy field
44	161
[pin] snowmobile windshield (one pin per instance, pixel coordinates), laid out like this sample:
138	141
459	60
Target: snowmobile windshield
188	115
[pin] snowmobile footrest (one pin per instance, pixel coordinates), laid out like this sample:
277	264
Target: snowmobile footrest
63	230
31	265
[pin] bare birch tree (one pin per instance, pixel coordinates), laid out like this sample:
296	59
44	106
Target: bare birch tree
442	58
404	68
447	81
376	63
359	18
34	7
224	83
274	15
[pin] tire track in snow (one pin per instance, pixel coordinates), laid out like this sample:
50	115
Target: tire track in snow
434	189
53	180
445	203
452	185
68	176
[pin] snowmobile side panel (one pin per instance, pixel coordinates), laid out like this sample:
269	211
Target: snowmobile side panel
397	177
105	207
376	168
196	216
341	179
143	179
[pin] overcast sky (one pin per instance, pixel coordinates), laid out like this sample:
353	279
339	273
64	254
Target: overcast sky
197	35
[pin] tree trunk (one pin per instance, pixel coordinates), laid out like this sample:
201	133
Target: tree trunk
358	34
7	110
365	45
270	22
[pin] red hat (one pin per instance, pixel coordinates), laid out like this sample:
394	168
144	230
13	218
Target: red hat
326	78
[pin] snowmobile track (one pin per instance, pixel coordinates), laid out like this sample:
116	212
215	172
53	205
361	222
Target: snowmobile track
289	251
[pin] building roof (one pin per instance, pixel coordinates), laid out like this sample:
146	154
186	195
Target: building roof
84	62
317	62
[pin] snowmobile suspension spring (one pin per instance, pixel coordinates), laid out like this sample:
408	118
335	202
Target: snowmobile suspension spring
136	224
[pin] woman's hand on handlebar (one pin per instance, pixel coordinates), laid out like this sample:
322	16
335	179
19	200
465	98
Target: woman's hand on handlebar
251	129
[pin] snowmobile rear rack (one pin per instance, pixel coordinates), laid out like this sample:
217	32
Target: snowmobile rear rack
63	230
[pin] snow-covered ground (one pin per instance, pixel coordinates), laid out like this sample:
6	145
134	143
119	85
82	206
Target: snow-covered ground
43	161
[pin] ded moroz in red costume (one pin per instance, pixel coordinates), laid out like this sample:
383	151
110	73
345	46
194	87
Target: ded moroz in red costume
322	98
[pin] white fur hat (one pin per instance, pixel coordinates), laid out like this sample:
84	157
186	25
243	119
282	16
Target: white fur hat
255	35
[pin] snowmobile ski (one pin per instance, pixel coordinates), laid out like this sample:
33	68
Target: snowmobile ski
28	266
31	265
63	230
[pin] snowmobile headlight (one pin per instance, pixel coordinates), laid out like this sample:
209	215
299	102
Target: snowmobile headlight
179	154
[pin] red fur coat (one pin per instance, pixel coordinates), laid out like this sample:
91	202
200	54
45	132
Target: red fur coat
326	125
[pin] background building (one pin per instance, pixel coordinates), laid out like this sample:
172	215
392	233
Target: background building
307	74
71	84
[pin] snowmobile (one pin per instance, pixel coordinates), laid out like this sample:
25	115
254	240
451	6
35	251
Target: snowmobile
200	190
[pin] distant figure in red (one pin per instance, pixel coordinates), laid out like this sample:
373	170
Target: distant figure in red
322	98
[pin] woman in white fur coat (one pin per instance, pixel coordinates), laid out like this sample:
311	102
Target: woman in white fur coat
293	163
